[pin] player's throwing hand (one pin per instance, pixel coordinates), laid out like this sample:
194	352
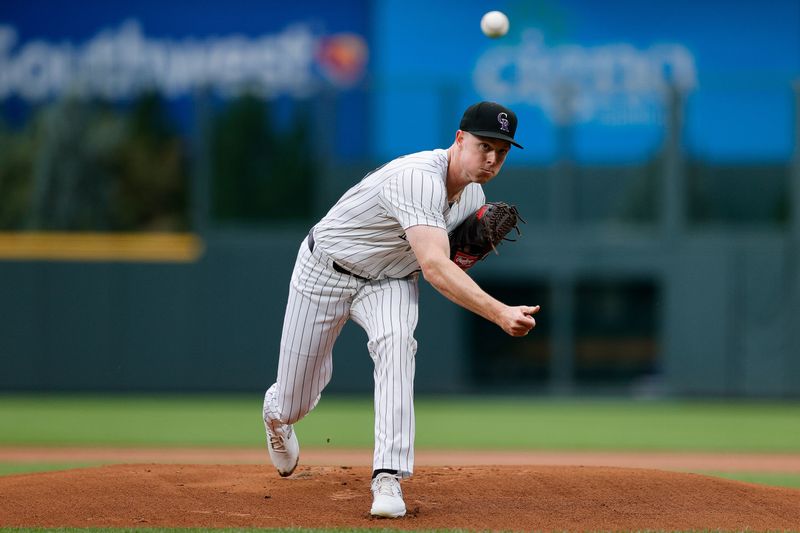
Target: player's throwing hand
518	321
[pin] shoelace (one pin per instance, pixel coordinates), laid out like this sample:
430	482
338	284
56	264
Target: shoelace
388	486
277	442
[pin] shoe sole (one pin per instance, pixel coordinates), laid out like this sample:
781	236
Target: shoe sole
376	515
387	515
290	472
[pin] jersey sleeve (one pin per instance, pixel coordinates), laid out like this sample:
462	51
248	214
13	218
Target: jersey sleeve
415	198
475	197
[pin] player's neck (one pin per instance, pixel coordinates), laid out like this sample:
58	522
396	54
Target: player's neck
455	180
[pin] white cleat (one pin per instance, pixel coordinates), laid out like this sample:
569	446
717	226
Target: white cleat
387	497
284	448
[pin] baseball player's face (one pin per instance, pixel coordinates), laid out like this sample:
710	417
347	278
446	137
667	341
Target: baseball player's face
482	157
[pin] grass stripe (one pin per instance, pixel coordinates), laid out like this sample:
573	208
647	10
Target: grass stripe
451	423
791	481
7	469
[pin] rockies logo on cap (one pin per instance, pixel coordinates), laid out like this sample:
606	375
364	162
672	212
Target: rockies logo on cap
490	119
502	118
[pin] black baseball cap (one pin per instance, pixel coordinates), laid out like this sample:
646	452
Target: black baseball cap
490	119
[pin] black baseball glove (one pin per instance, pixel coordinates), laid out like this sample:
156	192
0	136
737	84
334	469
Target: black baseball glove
479	234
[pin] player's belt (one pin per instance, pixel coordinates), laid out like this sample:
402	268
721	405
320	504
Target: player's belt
336	266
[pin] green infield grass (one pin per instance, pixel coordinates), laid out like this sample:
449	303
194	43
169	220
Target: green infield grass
446	423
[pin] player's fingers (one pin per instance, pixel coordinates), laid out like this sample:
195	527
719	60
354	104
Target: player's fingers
528	310
526	324
518	329
530	325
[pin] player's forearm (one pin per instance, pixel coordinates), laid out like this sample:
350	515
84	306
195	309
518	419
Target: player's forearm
452	282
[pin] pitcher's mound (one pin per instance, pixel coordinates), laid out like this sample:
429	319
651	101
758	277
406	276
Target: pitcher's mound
481	498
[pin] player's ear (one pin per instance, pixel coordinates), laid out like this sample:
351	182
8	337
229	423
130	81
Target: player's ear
459	138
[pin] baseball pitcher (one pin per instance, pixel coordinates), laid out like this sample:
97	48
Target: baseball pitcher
424	212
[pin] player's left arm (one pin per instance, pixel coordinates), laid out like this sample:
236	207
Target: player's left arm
432	249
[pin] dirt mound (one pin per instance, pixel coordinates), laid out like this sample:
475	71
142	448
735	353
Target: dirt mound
481	498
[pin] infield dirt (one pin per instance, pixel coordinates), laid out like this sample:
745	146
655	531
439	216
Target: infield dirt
543	498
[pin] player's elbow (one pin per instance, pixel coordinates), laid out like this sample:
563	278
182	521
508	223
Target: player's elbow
433	270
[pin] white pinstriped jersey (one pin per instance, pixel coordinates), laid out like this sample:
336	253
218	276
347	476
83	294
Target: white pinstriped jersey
365	230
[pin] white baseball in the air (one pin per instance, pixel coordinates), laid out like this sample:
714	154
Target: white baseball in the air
494	24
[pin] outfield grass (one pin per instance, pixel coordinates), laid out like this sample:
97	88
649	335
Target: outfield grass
460	423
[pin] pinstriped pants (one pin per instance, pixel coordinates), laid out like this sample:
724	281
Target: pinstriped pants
321	300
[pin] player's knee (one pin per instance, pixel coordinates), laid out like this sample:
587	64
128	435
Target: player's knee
295	414
281	419
299	412
393	342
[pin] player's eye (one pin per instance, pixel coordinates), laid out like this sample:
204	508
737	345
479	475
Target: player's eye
484	147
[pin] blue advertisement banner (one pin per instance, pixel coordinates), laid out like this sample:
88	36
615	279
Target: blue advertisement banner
111	50
604	69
